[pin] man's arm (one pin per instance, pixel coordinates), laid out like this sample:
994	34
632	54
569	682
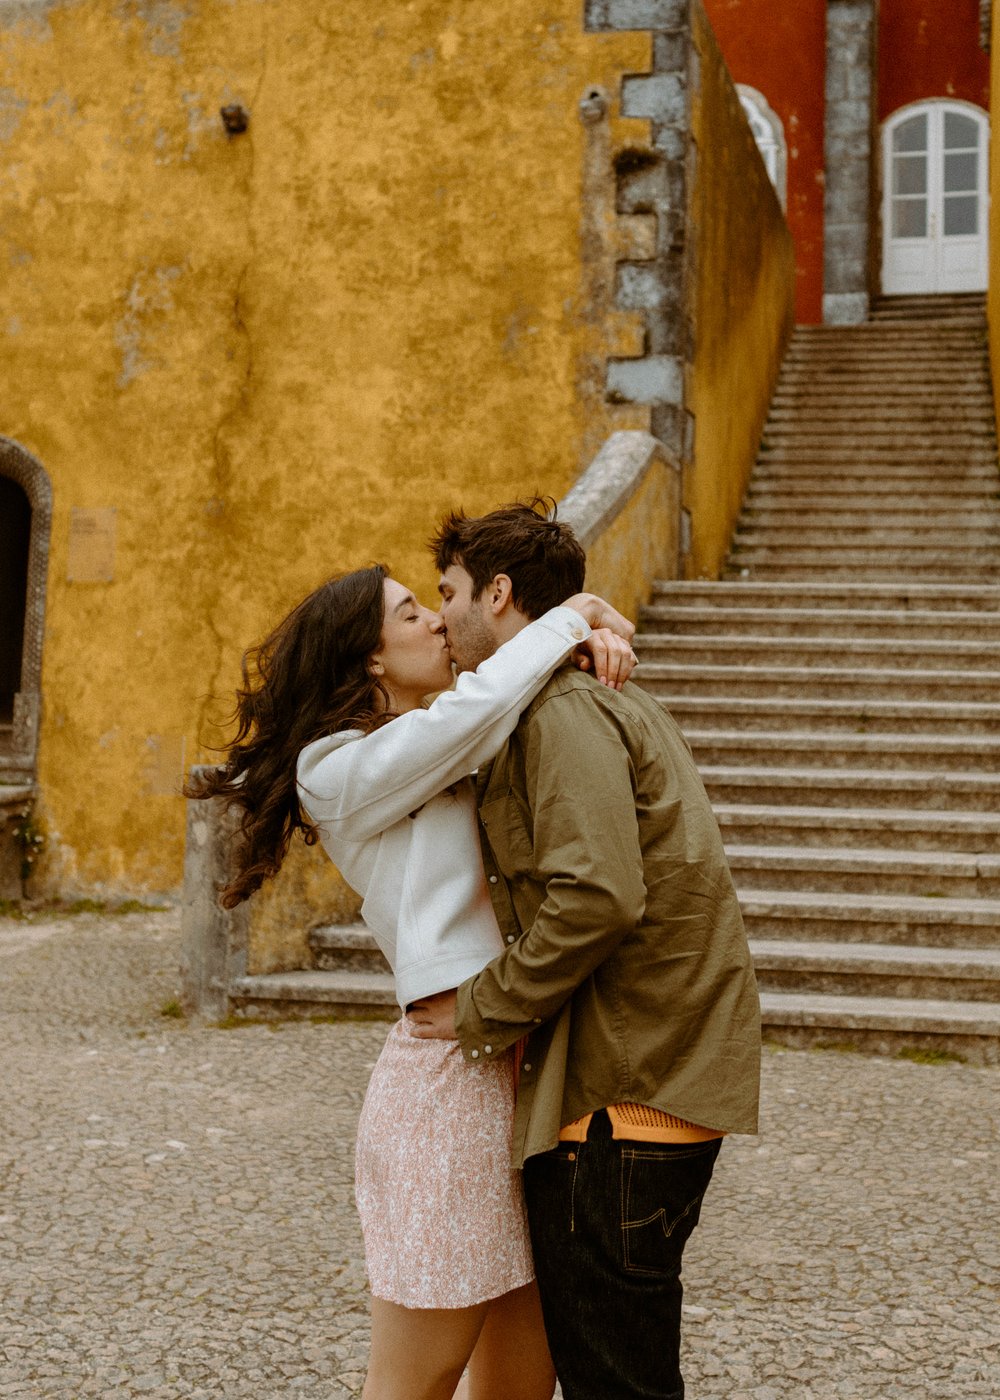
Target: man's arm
586	851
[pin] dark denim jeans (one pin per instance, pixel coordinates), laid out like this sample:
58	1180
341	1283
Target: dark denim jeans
609	1222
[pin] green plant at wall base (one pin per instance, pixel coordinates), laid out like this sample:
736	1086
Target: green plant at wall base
30	841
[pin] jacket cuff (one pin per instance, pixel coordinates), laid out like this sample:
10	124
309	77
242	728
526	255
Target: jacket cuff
481	1039
566	623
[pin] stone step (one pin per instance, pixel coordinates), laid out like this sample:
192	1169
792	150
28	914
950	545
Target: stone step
804	748
969	1028
930	536
895	596
801	444
765	513
964	448
906	316
795	714
826	382
905	788
747	649
957	340
977	558
867	828
906	420
347	948
958	343
884	410
859	473
803	526
842	917
878	970
894	341
855	623
883	1025
358	995
973	384
845	869
849	417
837	498
885	571
966	361
857	438
820	682
931	304
966	358
868	400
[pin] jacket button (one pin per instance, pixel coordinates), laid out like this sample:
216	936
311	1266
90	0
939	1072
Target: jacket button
493	879
475	1055
510	938
526	1068
488	1049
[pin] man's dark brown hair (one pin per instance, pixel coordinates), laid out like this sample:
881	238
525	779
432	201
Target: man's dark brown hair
541	556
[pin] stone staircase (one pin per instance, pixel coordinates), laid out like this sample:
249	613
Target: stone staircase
840	688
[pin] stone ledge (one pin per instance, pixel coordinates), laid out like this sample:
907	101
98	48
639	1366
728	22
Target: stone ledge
318	987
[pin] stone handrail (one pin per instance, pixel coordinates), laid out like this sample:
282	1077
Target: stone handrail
626	511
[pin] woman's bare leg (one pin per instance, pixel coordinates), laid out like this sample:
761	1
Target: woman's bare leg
511	1359
420	1353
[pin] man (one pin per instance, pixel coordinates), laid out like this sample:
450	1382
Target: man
626	973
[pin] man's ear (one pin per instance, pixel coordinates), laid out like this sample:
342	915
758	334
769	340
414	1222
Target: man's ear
499	594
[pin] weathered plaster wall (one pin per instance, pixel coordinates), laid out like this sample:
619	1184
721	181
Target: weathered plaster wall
248	360
929	49
743	288
789	69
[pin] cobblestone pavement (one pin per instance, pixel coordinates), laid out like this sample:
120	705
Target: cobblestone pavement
176	1216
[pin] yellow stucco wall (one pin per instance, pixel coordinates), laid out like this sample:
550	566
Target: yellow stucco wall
993	296
742	289
281	353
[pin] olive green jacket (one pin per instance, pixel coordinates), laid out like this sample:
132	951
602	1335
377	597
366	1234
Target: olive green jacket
627	964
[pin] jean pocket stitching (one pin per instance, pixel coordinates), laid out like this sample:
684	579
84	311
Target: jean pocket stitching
628	1226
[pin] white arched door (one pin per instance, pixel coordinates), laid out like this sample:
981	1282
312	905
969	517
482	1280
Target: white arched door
935	212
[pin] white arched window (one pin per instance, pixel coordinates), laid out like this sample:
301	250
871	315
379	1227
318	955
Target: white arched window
769	134
935	198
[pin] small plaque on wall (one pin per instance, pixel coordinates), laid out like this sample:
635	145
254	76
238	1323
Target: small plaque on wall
92	545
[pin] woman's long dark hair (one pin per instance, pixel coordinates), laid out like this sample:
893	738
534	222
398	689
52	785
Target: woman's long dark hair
310	677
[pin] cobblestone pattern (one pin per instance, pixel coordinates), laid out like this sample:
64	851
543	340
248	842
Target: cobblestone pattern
176	1216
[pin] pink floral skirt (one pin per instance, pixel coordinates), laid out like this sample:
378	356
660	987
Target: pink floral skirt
442	1211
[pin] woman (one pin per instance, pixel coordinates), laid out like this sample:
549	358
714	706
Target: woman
334	740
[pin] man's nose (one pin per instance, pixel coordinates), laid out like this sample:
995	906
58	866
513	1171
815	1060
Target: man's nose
437	622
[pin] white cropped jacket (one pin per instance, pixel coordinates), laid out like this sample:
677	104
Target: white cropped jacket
396	810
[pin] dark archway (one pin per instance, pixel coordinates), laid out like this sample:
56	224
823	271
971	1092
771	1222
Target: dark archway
25	527
15	538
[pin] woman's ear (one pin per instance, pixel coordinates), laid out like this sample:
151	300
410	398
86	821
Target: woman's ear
500	593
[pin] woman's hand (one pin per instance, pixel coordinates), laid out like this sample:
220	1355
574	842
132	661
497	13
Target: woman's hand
607	655
607	651
433	1018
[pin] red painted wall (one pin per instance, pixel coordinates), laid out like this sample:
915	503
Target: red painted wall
930	48
780	49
